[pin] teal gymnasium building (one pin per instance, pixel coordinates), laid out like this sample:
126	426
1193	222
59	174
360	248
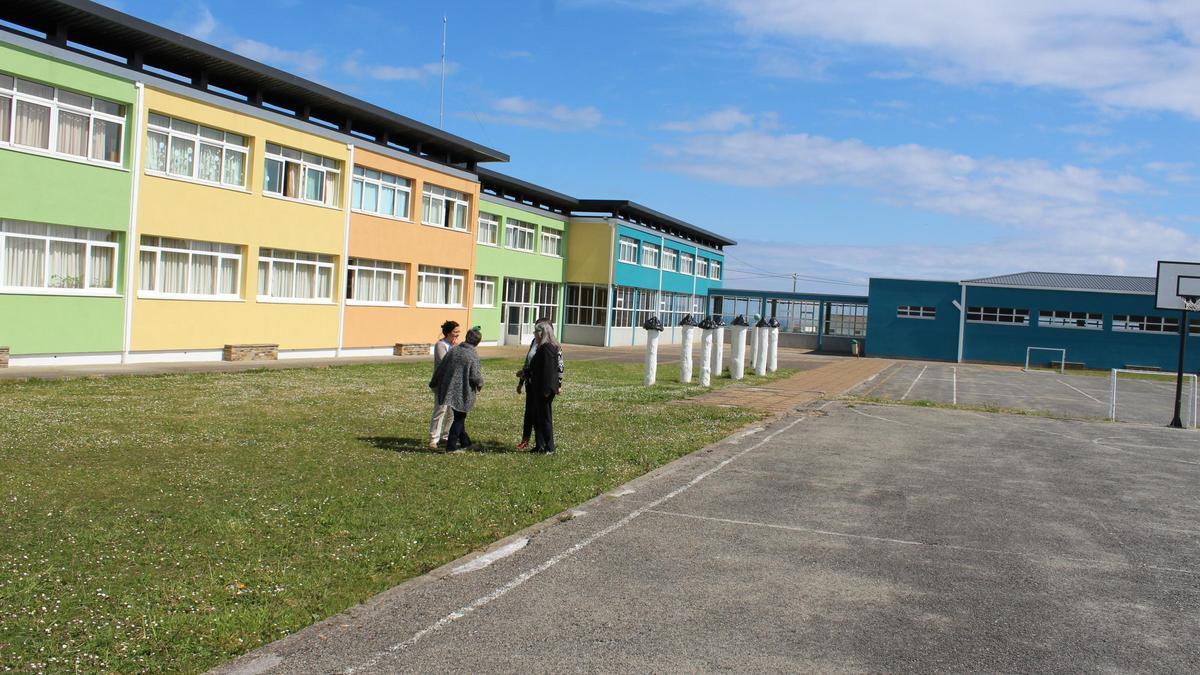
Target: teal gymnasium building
1102	321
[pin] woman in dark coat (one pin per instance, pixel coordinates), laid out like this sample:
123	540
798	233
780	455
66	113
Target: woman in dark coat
543	384
456	381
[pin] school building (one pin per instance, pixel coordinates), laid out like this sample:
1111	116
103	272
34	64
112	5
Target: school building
166	200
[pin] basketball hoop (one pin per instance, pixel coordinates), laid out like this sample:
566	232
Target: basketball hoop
1191	303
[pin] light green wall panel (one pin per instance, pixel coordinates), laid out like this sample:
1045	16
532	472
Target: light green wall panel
50	324
502	263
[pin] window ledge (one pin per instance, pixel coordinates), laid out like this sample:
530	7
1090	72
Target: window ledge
448	229
518	250
484	243
292	301
367	303
294	200
75	159
79	293
150	295
197	181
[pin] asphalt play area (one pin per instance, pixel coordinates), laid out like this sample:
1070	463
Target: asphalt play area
1144	399
849	537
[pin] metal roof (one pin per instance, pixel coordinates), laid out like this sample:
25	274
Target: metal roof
1098	283
641	215
524	192
142	47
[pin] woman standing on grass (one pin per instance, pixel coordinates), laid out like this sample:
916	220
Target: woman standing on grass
543	384
455	383
439	425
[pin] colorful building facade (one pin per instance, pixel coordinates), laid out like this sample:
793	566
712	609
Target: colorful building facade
167	200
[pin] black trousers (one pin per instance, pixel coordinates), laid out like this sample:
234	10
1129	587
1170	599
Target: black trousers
543	422
458	432
531	402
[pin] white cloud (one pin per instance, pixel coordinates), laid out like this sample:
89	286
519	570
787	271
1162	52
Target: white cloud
351	66
1051	217
524	112
724	119
207	28
1134	54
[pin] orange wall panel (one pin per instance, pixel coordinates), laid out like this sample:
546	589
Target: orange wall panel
385	326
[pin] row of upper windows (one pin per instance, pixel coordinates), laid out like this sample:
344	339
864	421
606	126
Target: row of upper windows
1057	318
518	235
668	259
40	118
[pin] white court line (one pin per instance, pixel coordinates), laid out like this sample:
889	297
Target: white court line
907	542
910	387
955	370
1080	391
520	579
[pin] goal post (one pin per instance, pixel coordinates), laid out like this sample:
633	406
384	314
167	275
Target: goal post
1062	364
1189	377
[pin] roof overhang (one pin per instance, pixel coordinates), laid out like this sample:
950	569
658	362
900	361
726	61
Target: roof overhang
647	217
524	192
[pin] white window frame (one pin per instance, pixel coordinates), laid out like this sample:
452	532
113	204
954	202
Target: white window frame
488	222
172	134
650	255
714	270
597	309
386	181
392	269
686	263
45	288
446	275
1134	323
517	232
994	315
627	250
158	249
916	312
320	261
849	319
701	267
672	255
1058	318
308	162
554	237
447	202
8	90
488	286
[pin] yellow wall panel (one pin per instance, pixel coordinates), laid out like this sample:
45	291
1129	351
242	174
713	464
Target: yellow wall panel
589	252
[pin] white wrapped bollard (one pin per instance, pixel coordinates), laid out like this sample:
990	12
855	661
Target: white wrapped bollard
706	348
654	328
760	359
737	335
718	362
754	342
686	349
772	345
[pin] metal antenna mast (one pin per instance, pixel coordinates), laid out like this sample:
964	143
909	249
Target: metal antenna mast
442	100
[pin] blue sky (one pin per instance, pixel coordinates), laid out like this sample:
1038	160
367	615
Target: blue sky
833	140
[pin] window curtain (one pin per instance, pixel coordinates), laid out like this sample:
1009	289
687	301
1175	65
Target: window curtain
66	264
291	183
402	203
305	281
356	194
204	274
33	125
146	262
210	163
228	281
325	283
380	292
429	290
264	277
387	202
370	197
235	167
397	288
330	196
72	133
156	151
363	285
272	176
101	261
314	181
106	141
24	262
183	157
460	217
174	272
5	117
282	276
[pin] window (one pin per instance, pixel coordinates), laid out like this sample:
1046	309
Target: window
188	150
1145	324
380	193
489	229
551	243
714	270
301	175
1062	319
847	320
57	259
798	316
701	266
485	292
685	263
628	251
587	305
916	312
440	286
376	282
60	122
542	294
518	235
670	259
729	307
649	255
180	268
294	276
443	207
623	307
1007	315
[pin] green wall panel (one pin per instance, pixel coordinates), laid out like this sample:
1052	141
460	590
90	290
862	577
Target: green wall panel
51	324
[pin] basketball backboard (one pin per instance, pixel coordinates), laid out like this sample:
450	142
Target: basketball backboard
1175	281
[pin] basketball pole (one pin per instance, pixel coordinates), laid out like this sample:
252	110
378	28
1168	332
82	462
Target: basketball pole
1176	422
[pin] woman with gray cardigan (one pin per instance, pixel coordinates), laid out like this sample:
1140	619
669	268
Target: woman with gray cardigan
455	383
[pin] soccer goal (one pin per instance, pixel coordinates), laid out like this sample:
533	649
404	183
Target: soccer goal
1146	390
1062	363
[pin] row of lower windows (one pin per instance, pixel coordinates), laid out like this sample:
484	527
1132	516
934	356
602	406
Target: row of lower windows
632	251
836	319
518	235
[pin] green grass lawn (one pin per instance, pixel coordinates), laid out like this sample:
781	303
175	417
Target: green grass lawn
170	523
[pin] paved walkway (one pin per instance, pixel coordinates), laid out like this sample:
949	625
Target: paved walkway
829	379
